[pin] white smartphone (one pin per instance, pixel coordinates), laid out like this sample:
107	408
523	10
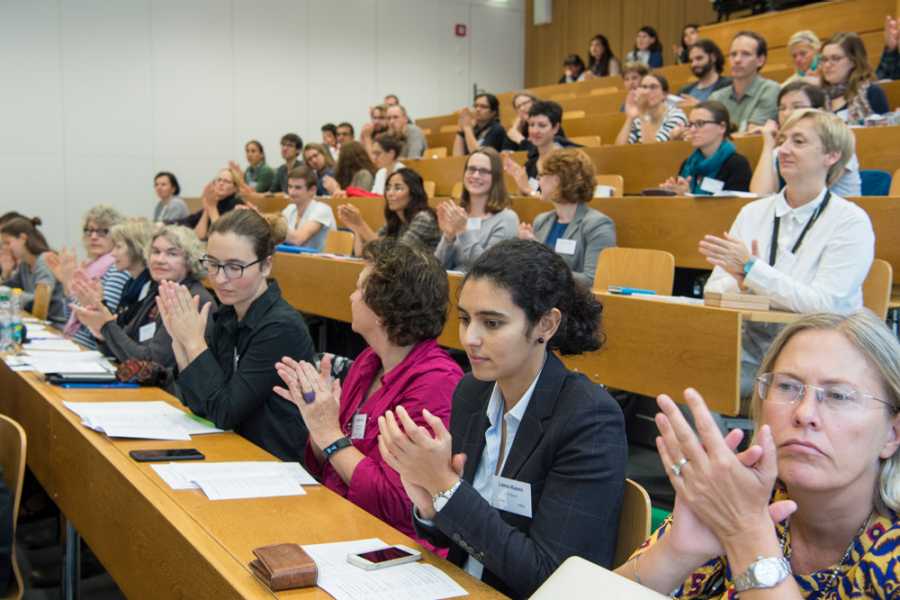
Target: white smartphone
384	557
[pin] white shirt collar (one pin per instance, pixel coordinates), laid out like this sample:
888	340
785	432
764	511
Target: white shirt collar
782	208
496	404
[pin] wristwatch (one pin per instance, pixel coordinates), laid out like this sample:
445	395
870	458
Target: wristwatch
336	446
749	265
764	572
441	499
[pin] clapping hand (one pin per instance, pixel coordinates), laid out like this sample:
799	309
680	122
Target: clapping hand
316	394
679	185
63	266
526	232
728	252
183	318
452	219
350	216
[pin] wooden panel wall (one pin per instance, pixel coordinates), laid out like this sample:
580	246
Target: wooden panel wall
575	22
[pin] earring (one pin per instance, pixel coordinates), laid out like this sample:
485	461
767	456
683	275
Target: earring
541	340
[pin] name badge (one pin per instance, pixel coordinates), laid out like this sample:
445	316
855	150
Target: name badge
513	496
473	224
534	184
712	185
564	246
603	191
358	429
147	332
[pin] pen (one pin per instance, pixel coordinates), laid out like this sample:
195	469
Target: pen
98	385
629	291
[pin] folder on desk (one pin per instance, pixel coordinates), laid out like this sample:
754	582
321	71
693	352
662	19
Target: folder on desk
578	579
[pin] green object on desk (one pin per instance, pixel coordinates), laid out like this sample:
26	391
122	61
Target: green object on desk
201	420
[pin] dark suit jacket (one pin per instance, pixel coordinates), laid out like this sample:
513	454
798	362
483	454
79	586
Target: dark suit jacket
571	448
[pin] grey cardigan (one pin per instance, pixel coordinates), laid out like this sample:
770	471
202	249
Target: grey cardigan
592	231
469	245
27	279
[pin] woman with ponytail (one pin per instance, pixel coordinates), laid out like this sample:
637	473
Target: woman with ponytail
227	375
23	264
532	468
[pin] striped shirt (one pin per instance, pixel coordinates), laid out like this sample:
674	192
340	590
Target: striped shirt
673	118
113	282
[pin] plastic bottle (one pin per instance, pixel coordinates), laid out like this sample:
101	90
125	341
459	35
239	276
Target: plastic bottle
17	327
5	320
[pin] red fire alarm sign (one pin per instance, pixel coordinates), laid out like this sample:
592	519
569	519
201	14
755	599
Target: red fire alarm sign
460	30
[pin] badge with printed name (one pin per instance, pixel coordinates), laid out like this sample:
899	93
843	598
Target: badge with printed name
473	223
712	185
513	496
147	332
564	246
358	428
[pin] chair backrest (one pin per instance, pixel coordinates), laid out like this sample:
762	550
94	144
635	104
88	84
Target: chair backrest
338	242
590	141
616	182
12	460
895	184
634	521
604	91
563	96
875	182
635	267
457	190
41	306
449	128
429	188
877	288
439	152
573	114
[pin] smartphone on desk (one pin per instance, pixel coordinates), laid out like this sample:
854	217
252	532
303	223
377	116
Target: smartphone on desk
384	557
164	454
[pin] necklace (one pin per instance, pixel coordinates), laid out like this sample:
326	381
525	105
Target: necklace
833	572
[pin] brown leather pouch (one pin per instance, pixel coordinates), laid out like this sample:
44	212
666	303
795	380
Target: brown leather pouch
284	567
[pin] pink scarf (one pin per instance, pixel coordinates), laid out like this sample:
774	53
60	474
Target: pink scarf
95	270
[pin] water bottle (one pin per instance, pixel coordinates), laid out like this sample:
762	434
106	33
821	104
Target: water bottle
5	320
17	327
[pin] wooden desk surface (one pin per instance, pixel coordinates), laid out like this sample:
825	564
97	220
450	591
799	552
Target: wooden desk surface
161	543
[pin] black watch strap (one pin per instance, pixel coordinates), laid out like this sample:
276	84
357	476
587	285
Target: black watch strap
336	446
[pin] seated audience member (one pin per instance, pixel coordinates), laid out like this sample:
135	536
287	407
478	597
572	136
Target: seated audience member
649	117
345	133
573	69
99	267
751	100
517	134
602	62
377	125
522	415
291	144
715	164
690	34
228	374
804	47
647	49
385	151
707	64
414	143
23	265
169	207
308	220
354	169
766	178
258	175
407	215
572	229
318	158
848	80
806	248
544	123
483	218
391	100
399	307
329	139
219	197
480	127
632	75
889	65
810	509
136	332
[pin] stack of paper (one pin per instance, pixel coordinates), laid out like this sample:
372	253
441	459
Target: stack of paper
140	420
51	361
233	480
56	344
38	331
738	301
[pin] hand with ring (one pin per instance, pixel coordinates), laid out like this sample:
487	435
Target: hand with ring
316	394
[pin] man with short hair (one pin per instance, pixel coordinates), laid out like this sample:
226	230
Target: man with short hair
291	144
707	63
376	126
329	139
751	99
398	122
391	100
345	133
308	220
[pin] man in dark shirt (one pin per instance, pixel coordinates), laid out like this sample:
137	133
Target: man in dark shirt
707	63
291	144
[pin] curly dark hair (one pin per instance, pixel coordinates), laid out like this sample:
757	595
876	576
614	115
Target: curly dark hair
539	280
407	288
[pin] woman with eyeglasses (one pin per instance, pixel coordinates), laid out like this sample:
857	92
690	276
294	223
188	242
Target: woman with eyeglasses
517	134
99	269
715	164
23	265
483	217
805	248
219	197
649	117
227	375
136	331
810	509
480	127
849	80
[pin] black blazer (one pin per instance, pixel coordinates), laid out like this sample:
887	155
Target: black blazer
571	448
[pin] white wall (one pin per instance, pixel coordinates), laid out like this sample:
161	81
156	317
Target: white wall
98	95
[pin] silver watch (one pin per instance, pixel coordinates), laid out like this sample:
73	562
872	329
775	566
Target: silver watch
764	572
441	499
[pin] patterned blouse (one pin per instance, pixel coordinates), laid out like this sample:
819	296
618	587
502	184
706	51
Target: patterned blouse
673	118
870	570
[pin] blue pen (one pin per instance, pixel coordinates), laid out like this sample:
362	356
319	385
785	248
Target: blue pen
629	291
98	385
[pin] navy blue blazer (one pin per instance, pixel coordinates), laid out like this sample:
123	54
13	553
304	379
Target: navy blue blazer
571	448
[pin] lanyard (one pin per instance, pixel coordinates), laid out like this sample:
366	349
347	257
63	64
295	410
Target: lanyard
773	252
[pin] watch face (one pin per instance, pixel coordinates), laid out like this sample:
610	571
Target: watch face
767	572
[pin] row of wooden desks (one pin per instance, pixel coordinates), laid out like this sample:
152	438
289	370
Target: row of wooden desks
159	543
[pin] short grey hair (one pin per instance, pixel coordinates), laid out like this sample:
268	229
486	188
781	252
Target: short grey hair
135	234
102	215
187	241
